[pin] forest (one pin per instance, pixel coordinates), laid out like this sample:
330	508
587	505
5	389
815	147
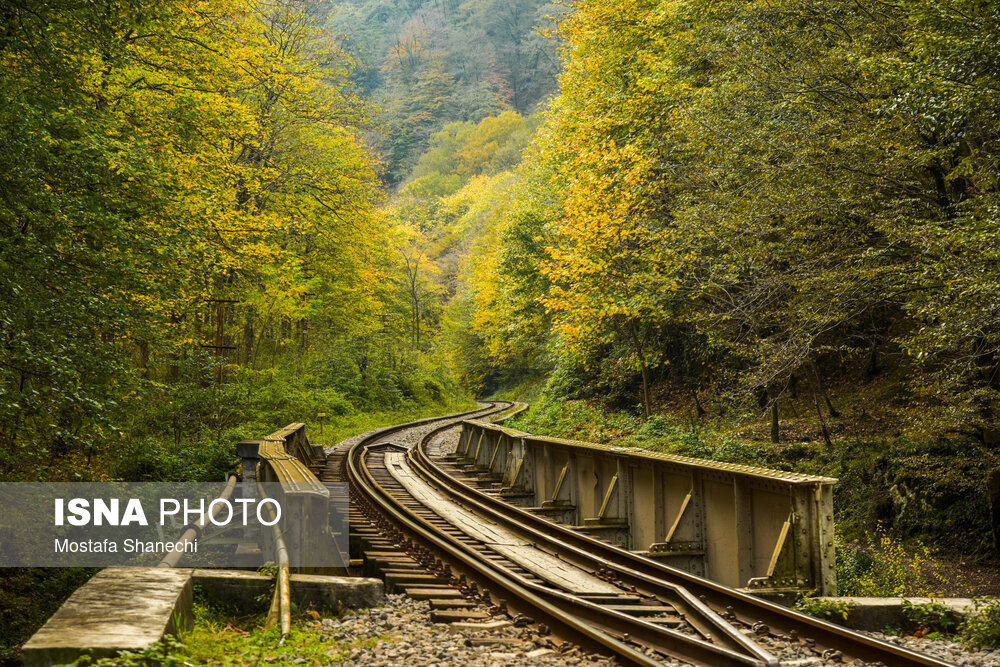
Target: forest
765	232
762	232
759	232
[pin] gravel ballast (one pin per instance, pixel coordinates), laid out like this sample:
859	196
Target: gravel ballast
401	633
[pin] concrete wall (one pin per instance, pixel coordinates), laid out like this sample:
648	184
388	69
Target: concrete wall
739	525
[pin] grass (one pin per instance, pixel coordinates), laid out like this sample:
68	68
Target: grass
224	636
219	639
345	426
29	596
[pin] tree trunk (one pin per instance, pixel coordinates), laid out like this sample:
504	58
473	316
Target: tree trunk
822	388
173	360
144	359
248	343
872	369
822	420
834	413
697	405
775	433
645	390
993	490
637	344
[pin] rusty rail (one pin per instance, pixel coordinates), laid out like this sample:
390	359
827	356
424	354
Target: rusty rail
193	531
652	577
281	606
742	526
587	624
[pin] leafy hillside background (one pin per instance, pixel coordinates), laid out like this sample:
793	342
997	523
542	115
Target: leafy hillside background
762	234
426	64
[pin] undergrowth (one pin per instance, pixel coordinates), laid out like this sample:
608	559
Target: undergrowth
930	492
883	566
223	635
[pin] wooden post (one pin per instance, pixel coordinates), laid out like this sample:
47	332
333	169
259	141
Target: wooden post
220	335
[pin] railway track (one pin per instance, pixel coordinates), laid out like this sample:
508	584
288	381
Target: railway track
580	588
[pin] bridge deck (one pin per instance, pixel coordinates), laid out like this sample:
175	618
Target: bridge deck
497	537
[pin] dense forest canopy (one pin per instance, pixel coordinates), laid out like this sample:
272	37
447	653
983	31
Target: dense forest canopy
736	197
781	214
191	245
430	62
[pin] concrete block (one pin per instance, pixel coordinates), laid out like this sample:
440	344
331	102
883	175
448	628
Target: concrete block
433	592
463	627
873	614
239	588
120	608
242	589
331	592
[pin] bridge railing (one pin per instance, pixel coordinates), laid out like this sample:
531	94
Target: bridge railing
742	526
285	457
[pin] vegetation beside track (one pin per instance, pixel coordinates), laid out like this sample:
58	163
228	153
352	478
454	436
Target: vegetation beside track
913	515
224	635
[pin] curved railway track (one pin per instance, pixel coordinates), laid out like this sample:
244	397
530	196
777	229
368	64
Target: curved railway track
582	589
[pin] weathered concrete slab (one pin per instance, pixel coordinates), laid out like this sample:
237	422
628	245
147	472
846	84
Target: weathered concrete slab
239	588
332	592
874	614
121	608
243	588
433	592
462	627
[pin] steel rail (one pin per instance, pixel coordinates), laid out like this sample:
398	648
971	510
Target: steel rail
670	642
193	531
702	617
585	621
522	600
742	650
657	579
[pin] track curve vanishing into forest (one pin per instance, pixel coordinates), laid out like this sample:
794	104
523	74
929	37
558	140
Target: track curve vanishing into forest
579	588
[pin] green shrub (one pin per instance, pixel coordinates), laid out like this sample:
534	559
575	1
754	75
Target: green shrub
885	567
29	596
825	609
932	616
982	627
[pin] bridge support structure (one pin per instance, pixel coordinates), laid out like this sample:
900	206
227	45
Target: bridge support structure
769	531
285	457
